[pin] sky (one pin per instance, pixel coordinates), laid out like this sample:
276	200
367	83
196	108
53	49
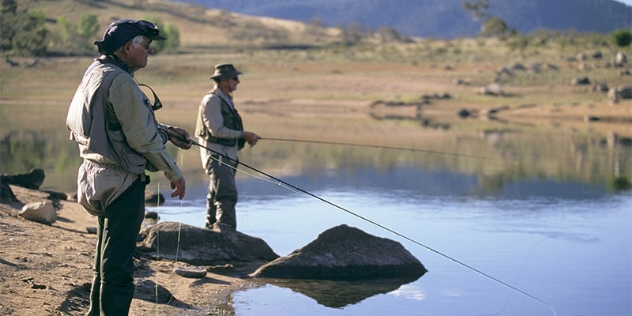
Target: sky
628	2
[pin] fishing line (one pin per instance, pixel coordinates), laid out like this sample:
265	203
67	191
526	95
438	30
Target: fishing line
375	146
523	265
296	189
180	223
157	248
158	242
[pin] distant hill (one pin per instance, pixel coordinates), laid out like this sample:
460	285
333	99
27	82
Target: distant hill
439	18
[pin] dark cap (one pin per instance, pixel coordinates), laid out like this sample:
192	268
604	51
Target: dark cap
121	31
225	71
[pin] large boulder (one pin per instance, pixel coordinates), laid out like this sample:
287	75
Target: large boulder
345	253
199	246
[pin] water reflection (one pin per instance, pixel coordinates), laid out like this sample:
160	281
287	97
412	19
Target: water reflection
338	294
22	151
511	153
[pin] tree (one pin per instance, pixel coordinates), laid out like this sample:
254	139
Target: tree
78	38
316	28
621	38
173	37
67	30
389	34
353	34
8	19
170	31
491	26
494	27
30	38
88	26
478	9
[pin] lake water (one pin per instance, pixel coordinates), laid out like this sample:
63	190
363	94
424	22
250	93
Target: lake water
567	246
543	209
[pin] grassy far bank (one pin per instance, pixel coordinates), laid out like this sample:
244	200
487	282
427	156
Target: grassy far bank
281	68
276	77
316	65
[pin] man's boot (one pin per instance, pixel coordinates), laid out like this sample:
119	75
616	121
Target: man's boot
116	299
210	212
95	293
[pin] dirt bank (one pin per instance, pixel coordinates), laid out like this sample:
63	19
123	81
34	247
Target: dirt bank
46	270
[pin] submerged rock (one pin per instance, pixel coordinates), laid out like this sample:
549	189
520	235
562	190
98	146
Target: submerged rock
345	253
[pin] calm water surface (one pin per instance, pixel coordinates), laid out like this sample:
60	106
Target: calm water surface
567	244
545	215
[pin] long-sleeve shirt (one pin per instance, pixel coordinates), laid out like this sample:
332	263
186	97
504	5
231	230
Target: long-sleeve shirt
214	122
138	125
113	123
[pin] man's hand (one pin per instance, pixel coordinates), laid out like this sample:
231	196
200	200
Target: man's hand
180	188
251	138
180	141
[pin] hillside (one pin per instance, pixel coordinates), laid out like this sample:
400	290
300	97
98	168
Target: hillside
440	18
202	28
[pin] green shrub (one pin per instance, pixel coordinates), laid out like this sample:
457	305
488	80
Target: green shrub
170	31
30	38
78	38
621	38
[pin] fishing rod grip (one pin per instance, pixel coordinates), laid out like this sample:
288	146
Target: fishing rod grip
176	135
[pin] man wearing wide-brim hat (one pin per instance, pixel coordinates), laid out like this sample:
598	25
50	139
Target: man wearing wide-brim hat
115	127
219	127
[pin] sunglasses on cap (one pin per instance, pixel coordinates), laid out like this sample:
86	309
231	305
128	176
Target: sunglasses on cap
148	27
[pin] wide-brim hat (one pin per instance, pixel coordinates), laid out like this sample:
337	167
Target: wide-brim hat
225	71
121	31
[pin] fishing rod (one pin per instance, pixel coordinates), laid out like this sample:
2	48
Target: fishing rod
375	146
294	188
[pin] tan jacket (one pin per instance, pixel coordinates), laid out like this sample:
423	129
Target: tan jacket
111	120
211	120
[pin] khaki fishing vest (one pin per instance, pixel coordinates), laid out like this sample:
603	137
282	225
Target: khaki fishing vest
231	119
92	126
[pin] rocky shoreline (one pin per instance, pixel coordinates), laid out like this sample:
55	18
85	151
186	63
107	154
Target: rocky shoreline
45	268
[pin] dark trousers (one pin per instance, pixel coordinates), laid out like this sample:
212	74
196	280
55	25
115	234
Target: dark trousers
222	194
113	284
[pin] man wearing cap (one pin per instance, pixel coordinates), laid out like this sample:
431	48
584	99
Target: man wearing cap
114	124
220	129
